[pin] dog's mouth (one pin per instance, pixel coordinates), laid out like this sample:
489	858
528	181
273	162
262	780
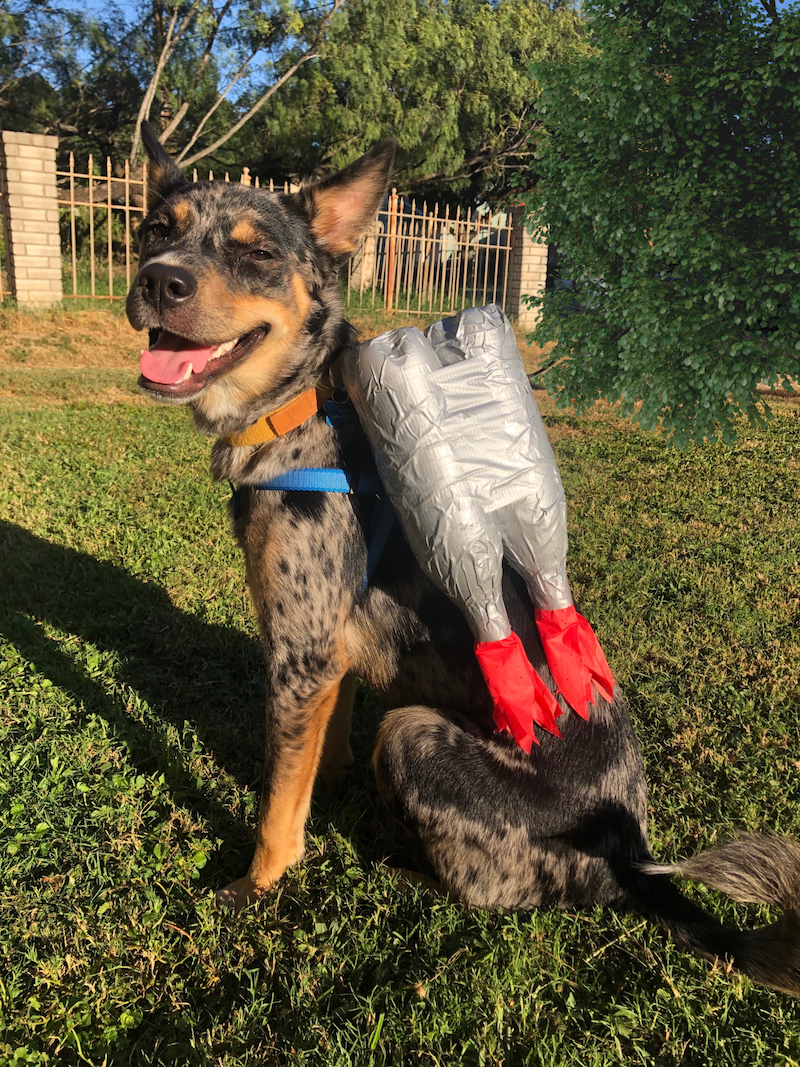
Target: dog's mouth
180	368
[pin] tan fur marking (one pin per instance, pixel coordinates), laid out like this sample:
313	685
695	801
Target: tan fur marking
284	808
302	297
237	315
374	658
182	212
336	753
244	232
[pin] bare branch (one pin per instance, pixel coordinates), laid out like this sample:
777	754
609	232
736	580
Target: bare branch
771	9
239	73
310	53
201	66
259	103
170	128
170	43
513	145
167	132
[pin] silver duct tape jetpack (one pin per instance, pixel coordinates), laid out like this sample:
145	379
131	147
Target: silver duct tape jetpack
464	457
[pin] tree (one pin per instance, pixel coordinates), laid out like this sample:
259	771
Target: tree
278	37
667	171
32	34
292	87
447	79
201	69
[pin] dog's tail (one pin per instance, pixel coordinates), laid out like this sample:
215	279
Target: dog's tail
752	869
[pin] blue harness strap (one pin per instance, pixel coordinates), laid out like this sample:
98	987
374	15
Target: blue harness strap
326	480
336	480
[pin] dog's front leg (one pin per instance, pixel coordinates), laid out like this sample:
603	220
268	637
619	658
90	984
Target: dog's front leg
296	737
302	591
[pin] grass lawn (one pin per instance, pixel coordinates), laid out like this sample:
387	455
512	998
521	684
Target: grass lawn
131	699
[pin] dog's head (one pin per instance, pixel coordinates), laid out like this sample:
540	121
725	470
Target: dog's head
239	287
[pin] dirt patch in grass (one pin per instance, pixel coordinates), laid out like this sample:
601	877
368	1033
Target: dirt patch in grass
783	392
103	337
75	339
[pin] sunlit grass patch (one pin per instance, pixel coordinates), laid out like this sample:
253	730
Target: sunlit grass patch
131	693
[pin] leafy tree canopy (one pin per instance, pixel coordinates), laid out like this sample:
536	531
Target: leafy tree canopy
667	173
200	69
448	79
292	87
33	36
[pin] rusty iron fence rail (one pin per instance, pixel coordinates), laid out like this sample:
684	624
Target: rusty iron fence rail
419	260
99	216
414	258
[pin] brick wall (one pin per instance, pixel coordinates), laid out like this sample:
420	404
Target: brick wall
33	244
527	272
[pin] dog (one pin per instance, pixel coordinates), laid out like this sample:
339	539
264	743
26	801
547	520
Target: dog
239	290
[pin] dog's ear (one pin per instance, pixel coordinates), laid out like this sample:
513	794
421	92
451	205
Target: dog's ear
164	175
342	207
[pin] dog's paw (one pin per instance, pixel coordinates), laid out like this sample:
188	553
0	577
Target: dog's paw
239	894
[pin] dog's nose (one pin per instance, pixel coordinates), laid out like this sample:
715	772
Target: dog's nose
164	285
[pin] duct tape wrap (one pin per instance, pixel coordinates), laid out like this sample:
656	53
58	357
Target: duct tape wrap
463	454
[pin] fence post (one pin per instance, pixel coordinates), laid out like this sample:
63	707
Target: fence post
527	273
30	209
390	267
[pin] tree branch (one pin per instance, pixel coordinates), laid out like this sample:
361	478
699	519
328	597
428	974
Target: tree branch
167	132
214	107
170	43
259	104
174	122
771	9
309	54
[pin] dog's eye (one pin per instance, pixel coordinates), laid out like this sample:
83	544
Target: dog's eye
159	229
259	253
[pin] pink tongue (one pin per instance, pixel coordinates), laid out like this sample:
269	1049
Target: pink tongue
167	361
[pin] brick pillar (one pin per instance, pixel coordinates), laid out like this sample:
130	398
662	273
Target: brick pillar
527	272
33	243
363	266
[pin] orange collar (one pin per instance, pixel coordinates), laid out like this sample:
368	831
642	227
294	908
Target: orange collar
283	419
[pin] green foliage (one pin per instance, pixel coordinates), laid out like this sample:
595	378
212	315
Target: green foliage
91	68
448	81
120	50
131	723
667	173
34	36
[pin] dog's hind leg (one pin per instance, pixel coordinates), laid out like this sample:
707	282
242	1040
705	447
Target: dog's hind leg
428	771
499	828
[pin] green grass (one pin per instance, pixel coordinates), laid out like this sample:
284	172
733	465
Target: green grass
66	384
372	301
130	710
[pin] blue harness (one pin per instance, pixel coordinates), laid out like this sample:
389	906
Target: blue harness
337	480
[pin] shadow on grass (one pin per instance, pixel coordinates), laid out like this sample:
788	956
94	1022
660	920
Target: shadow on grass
185	672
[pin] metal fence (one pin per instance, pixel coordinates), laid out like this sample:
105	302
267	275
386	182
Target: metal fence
99	215
412	259
417	260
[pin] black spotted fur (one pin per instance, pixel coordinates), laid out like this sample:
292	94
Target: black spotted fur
566	825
